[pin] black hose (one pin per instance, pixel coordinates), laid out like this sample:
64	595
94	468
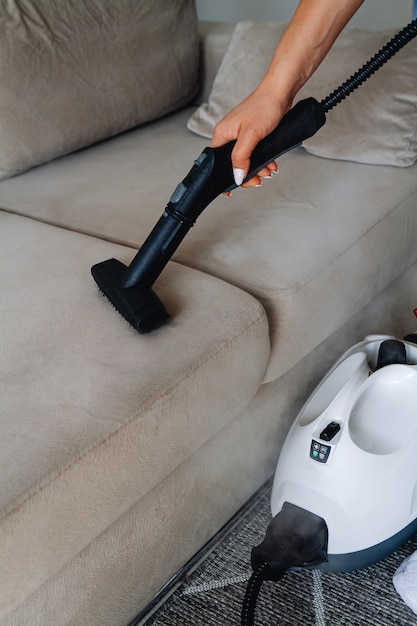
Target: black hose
252	592
392	47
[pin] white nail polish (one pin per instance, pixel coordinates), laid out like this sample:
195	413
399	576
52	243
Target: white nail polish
238	175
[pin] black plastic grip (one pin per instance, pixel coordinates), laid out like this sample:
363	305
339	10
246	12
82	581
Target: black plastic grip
300	123
211	175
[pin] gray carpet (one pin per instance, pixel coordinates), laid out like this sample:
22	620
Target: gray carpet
213	593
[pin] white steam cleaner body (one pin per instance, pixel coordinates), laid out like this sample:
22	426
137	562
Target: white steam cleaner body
351	455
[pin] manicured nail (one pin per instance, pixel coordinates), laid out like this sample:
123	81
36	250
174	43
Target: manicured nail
238	175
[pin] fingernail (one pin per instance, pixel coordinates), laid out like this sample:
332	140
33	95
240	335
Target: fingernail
238	175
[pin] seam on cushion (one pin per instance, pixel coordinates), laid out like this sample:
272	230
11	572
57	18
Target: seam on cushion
71	229
7	512
85	233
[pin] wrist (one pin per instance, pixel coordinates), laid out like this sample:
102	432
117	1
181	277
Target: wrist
276	94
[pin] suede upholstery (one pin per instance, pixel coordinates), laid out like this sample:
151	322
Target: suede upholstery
116	428
122	454
367	212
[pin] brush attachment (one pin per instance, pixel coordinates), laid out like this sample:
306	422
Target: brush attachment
140	306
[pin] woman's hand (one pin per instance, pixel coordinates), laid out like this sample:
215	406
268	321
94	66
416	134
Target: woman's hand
306	41
249	122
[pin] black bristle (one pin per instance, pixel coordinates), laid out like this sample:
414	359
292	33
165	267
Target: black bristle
140	306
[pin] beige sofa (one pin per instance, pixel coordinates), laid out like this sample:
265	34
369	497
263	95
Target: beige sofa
122	454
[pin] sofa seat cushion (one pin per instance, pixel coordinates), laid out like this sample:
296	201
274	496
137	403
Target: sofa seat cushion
94	415
75	73
314	244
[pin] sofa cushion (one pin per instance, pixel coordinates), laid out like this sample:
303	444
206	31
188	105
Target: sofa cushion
74	73
376	124
93	414
319	224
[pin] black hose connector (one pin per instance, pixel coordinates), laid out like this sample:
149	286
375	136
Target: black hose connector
295	538
392	47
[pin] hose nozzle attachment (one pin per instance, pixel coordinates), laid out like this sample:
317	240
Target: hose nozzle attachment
139	305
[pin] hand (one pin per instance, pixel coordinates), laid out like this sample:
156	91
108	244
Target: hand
249	122
306	41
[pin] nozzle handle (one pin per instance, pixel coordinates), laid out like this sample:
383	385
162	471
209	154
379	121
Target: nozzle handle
211	175
300	123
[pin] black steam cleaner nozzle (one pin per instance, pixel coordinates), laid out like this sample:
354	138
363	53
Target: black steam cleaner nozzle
139	305
129	289
295	538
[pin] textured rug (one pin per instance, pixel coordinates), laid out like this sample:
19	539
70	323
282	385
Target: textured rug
214	592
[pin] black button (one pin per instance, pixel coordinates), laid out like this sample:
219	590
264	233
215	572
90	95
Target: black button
330	431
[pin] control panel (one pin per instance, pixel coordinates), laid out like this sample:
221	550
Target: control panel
319	451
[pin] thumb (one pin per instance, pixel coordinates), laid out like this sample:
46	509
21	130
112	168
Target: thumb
241	153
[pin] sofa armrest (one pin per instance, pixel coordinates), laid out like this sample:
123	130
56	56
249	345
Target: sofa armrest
214	41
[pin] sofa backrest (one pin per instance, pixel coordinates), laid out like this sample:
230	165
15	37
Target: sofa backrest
74	73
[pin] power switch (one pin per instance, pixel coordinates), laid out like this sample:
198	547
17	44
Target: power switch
330	431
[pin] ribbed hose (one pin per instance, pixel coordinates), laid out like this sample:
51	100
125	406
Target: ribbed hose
392	47
252	591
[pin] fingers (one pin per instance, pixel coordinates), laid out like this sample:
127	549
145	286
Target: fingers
239	127
246	142
263	174
247	127
256	181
